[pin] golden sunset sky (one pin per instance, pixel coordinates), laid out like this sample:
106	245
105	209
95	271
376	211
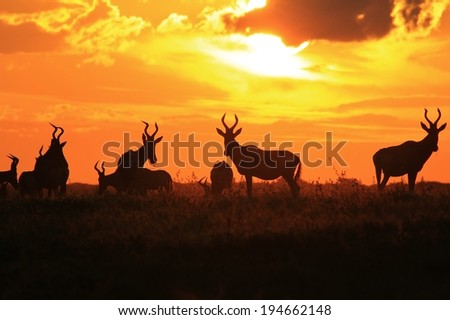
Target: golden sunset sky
364	70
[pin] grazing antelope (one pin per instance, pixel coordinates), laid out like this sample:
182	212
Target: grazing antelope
203	182
51	169
409	157
10	176
104	181
146	179
221	179
251	161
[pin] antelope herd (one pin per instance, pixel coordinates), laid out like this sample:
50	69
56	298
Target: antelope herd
51	170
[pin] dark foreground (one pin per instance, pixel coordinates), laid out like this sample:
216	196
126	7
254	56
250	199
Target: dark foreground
339	241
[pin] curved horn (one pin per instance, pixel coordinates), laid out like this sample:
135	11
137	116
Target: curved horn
103	167
426	117
203	183
40	151
54	132
96	169
146	129
62	131
439	117
156	130
13	158
223	122
236	123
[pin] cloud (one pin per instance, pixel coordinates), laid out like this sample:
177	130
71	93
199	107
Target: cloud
174	23
95	28
344	20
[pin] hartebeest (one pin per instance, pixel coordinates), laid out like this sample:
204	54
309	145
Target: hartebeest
10	176
221	179
27	181
104	181
133	159
51	169
146	179
251	161
409	157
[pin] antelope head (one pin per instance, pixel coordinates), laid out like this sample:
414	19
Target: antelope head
55	139
101	178
14	162
13	179
150	142
203	182
229	135
433	130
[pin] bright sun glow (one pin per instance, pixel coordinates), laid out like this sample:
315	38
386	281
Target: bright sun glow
250	5
267	55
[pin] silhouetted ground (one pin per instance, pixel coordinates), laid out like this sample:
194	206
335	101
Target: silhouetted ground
340	240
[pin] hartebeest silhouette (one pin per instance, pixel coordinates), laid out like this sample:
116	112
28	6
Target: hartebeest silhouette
133	159
10	176
251	161
221	178
51	169
142	181
104	181
409	157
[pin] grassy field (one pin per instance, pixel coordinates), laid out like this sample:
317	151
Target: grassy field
340	240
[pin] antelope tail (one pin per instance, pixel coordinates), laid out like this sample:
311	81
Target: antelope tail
297	173
377	169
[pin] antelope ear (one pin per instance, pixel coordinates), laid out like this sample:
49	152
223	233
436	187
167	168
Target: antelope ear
424	127
158	140
442	127
63	144
220	132
238	132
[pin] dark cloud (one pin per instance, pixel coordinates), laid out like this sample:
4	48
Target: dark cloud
339	20
28	37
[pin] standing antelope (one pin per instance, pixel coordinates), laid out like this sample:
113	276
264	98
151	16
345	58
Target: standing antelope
409	157
51	169
221	179
27	181
10	176
251	161
133	159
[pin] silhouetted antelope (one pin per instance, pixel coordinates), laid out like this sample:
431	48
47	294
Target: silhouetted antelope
104	181
203	182
251	161
10	176
409	157
51	169
146	179
27	181
133	159
221	179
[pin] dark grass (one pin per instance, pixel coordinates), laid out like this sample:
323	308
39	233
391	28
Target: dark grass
340	240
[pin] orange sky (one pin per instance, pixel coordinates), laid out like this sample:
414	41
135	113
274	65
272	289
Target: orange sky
363	70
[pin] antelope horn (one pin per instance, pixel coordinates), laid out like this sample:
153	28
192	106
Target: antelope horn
103	167
203	183
146	129
223	122
156	130
96	169
439	117
236	123
40	151
62	131
426	117
54	132
13	158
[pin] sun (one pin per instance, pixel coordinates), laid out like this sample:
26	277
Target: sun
265	55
